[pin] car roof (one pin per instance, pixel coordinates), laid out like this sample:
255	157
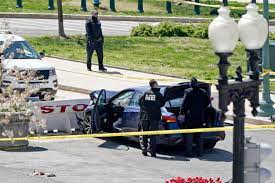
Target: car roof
145	88
11	37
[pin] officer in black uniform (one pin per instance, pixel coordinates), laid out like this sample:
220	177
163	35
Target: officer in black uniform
95	41
150	115
195	103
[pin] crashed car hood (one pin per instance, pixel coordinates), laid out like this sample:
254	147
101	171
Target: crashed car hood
27	64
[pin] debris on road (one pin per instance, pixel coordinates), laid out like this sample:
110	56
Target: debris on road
38	173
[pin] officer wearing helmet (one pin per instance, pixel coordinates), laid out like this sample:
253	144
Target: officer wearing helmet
195	103
150	115
95	41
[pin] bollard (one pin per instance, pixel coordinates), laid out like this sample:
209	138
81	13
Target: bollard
19	4
197	8
225	2
112	5
140	6
51	5
83	5
96	3
168	7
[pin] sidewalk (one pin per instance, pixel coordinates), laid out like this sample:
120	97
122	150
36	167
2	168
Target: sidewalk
73	76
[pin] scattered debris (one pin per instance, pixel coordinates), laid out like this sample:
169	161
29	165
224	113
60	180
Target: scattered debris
38	173
50	175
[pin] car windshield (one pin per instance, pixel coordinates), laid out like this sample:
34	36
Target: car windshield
20	50
177	102
174	103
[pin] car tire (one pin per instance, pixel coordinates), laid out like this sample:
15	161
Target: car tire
41	97
209	145
87	124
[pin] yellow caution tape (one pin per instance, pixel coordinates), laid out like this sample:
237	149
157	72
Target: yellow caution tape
267	72
128	134
215	6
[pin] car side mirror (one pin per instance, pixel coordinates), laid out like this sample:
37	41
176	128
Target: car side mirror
42	54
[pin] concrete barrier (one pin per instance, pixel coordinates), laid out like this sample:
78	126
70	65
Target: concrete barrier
61	116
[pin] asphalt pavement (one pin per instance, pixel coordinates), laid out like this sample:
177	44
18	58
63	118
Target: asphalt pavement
118	161
40	27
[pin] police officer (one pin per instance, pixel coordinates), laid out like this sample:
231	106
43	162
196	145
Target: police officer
195	103
95	41
150	115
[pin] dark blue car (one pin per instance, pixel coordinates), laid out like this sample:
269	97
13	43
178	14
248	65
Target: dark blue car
119	112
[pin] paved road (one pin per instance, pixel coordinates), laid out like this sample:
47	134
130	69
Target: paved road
38	27
117	161
67	95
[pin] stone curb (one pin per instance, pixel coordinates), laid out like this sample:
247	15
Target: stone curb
86	91
124	68
73	89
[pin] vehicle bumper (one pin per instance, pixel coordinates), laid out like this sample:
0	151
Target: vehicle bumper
50	85
179	138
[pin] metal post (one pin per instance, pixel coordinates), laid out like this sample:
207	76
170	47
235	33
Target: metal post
140	6
238	140
197	8
225	2
83	5
112	5
51	5
96	3
266	104
168	7
237	91
19	4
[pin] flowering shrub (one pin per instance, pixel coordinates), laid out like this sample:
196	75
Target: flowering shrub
15	101
193	180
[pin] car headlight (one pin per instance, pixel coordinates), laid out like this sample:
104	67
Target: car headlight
52	72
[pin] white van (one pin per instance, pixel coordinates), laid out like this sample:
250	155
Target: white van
19	54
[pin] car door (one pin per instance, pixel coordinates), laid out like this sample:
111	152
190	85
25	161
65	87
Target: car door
117	106
130	117
100	113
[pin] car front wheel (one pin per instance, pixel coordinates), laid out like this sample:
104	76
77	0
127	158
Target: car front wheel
87	124
209	145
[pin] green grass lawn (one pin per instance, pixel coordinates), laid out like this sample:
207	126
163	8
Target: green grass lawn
185	57
123	7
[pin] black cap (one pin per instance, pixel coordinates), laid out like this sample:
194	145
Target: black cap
194	83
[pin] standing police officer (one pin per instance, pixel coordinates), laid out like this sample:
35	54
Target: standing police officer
150	115
95	41
194	105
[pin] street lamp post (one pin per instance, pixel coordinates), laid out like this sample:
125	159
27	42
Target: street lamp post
83	5
224	33
266	103
19	4
51	5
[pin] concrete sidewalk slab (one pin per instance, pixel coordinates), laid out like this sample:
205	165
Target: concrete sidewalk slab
73	76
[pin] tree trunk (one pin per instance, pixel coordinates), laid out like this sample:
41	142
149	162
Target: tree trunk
61	31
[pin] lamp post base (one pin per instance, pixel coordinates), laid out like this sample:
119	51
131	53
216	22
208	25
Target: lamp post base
266	109
266	104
